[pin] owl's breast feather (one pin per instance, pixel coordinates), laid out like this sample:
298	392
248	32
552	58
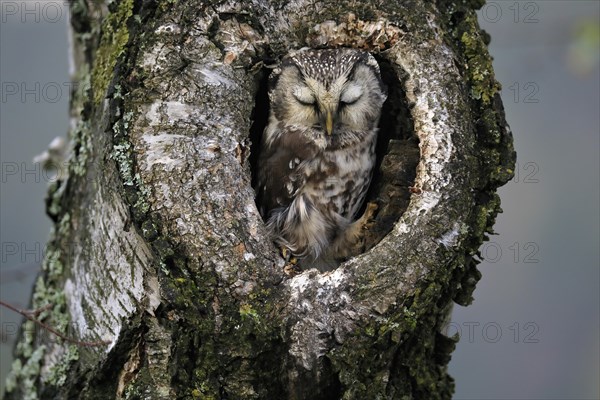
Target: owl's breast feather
337	181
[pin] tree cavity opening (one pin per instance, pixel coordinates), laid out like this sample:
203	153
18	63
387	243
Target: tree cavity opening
397	150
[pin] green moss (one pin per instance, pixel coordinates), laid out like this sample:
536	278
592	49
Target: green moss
139	388
121	154
461	22
80	135
136	192
26	349
64	225
497	156
25	345
410	319
15	372
26	374
82	93
163	248
480	71
115	36
167	4
82	144
59	372
53	264
149	230
49	297
54	198
46	295
246	311
205	387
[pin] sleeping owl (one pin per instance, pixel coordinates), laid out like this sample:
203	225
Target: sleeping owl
318	152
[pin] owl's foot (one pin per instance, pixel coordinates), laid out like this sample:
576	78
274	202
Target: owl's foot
291	270
288	256
354	241
291	267
362	226
367	221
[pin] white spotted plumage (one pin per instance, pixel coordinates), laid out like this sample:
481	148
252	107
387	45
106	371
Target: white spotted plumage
318	149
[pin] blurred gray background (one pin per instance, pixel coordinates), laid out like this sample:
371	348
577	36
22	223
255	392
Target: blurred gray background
533	331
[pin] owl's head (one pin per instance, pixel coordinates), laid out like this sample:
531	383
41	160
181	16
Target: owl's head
332	91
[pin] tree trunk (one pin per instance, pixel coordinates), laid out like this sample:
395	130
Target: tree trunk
158	247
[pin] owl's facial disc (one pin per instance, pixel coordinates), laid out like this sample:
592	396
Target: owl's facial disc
326	108
351	94
326	102
304	95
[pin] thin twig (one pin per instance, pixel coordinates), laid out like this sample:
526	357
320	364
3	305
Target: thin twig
36	313
31	315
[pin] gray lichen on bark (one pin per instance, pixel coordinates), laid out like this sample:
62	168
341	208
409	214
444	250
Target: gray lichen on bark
161	247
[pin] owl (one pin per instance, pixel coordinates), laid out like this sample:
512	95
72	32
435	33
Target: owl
318	151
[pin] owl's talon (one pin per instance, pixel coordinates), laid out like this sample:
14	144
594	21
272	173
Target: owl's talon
288	256
365	224
292	270
369	216
367	220
291	267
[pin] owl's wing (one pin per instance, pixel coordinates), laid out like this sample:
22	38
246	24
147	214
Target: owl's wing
281	169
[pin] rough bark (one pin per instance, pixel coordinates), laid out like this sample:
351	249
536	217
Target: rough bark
159	249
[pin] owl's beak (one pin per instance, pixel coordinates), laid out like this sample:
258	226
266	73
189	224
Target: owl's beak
329	122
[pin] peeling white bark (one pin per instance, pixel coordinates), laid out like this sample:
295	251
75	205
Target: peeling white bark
107	284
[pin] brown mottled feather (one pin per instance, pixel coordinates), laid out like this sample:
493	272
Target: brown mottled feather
311	183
